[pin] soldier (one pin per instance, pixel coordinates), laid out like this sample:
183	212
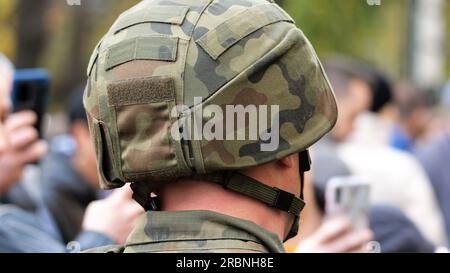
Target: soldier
202	194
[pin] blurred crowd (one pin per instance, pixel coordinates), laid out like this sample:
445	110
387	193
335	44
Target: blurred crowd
393	135
54	205
396	137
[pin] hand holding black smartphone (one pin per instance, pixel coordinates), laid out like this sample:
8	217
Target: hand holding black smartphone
30	92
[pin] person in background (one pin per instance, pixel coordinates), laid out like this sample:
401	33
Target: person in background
354	97
23	231
107	221
396	233
320	235
70	180
389	228
6	81
434	154
412	117
396	178
392	232
336	235
357	93
19	143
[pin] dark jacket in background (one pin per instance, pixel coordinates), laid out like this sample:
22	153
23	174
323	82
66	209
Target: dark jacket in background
395	233
64	192
435	158
24	232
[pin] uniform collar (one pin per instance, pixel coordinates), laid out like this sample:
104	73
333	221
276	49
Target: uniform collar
160	227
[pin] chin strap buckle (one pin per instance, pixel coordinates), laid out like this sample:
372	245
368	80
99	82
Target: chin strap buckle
144	198
283	200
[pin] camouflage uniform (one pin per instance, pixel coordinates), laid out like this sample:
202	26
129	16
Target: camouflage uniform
196	231
163	53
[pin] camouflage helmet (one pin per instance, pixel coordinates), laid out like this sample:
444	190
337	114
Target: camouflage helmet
198	53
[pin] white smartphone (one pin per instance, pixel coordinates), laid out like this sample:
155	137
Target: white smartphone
348	197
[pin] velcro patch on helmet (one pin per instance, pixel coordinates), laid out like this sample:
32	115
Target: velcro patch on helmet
152	14
142	48
141	91
142	118
216	41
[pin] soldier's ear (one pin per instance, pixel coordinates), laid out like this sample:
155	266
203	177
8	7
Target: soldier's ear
290	161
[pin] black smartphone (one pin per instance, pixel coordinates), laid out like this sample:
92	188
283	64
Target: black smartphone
30	92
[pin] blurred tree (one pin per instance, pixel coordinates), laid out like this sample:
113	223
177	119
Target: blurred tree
31	33
352	27
73	74
76	30
7	23
52	34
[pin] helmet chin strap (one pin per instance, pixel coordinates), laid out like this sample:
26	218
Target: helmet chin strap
248	186
271	196
304	161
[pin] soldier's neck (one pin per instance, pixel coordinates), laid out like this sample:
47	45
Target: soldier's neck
199	195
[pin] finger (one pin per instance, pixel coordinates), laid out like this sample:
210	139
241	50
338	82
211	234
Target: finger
134	208
4	142
363	248
33	153
367	247
23	137
20	119
332	229
5	101
5	108
124	193
351	241
131	212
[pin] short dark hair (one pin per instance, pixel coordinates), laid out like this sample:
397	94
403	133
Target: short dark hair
408	98
343	70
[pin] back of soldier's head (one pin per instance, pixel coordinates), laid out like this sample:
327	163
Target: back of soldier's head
205	57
